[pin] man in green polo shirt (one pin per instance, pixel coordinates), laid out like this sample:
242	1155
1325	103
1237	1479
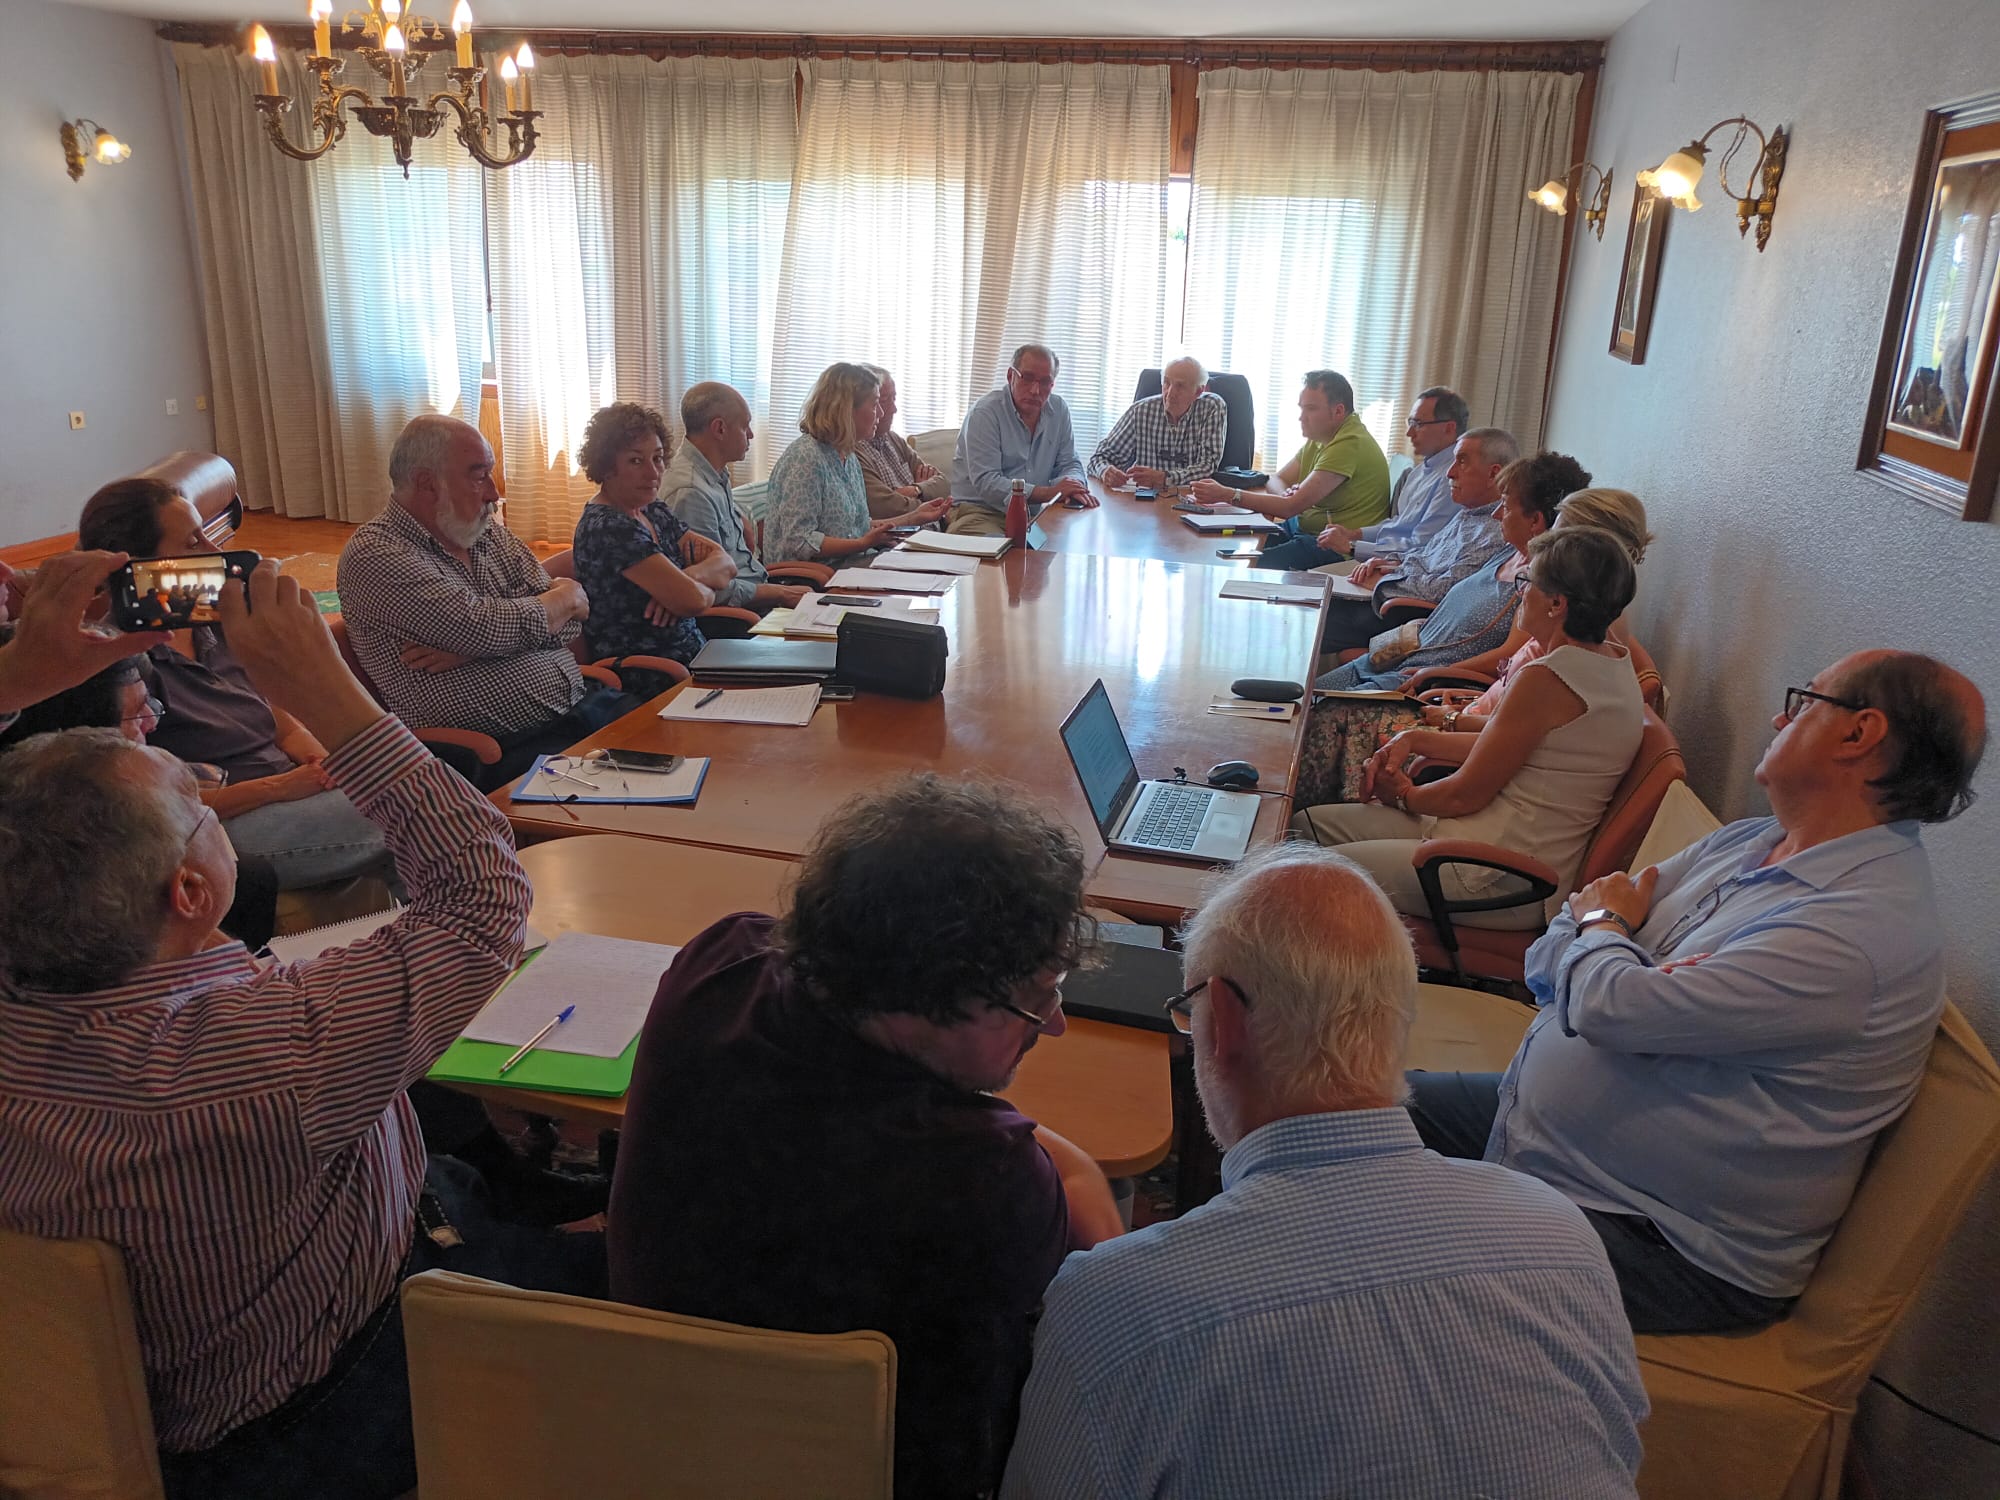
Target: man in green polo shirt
1338	478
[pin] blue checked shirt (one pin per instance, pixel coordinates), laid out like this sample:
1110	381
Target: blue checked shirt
995	448
1466	542
1422	506
1733	1101
1186	450
1353	1316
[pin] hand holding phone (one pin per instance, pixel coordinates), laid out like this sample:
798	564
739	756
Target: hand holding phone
172	593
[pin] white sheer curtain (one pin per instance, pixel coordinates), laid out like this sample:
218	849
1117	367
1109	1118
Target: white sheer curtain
944	212
634	254
1378	224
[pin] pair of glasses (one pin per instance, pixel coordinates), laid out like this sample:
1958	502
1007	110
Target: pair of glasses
199	824
153	710
1180	1009
1039	382
1425	422
1038	1022
1797	698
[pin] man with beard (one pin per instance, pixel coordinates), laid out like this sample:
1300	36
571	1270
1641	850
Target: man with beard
454	620
812	1137
1354	1315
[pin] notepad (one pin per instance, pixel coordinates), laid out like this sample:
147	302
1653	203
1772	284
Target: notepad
817	620
1225	525
1342	589
891	580
297	947
580	781
610	981
1204	508
772	705
1273	593
915	560
964	546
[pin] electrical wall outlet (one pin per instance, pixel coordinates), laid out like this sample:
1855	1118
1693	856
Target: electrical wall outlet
173	407
201	403
76	421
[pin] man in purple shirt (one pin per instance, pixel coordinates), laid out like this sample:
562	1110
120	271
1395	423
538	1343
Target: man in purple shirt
812	1139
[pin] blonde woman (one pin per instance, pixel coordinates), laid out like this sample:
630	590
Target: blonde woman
819	498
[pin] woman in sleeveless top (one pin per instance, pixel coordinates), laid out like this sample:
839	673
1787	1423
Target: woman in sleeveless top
1539	776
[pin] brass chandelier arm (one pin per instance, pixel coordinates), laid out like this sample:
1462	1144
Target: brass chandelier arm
474	123
329	120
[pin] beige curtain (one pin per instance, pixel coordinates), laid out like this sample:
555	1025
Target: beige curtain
262	303
944	212
1378	224
634	254
342	298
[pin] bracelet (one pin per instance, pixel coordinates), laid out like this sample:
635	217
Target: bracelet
1451	720
1236	496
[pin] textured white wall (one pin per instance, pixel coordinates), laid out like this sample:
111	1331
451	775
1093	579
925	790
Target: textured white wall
1775	557
98	301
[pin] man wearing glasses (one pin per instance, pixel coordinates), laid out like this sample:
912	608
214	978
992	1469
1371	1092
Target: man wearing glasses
812	1137
1021	431
1354	1315
1722	1038
1421	501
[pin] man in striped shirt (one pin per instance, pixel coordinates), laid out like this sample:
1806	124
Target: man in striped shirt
1354	1315
1168	441
239	1131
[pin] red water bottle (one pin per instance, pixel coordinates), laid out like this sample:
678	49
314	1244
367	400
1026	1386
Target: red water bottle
1017	513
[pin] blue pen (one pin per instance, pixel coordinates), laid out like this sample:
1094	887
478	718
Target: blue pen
534	1041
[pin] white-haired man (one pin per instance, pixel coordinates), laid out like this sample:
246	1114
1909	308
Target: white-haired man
1168	441
1354	1314
454	620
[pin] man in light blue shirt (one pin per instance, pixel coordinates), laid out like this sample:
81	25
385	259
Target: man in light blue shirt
1422	499
1021	431
1354	1315
696	487
1722	1039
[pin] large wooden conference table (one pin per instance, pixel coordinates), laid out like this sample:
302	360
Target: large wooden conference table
1029	634
1104	1087
1121	525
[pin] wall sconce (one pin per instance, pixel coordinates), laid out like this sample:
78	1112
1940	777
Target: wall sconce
81	138
1554	195
1675	178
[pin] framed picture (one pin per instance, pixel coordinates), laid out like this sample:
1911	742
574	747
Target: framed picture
1640	278
1930	430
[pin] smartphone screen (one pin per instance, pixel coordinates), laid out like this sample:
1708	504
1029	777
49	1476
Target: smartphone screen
171	593
643	760
1240	550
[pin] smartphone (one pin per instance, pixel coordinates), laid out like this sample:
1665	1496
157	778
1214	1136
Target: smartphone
836	692
172	593
1240	550
1071	502
852	601
1145	494
643	760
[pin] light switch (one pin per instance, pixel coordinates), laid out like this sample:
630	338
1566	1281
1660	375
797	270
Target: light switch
76	421
201	403
173	407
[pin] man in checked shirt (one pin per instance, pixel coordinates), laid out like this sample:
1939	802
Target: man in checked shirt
238	1131
1168	441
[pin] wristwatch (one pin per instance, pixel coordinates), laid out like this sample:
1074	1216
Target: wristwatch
1604	914
1237	496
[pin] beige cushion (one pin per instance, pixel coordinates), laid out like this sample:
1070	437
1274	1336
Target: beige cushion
936	447
74	1418
533	1396
1682	820
1465	1031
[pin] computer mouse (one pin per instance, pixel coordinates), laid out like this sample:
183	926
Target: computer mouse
1233	775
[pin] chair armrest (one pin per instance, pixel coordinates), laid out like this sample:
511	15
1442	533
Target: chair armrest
814	575
746	617
1402	611
1450	697
482	747
1436	853
606	671
1454	677
599	673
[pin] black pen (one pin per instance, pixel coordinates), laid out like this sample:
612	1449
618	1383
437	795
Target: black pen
708	697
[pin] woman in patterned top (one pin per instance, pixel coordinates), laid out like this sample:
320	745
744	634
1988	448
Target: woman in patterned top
819	499
647	575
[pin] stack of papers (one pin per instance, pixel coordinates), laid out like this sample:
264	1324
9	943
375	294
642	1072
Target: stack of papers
1274	593
574	779
611	982
815	619
1219	525
889	579
964	546
916	560
1340	588
1251	708
773	705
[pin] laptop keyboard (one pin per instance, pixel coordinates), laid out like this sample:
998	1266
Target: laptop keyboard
1173	818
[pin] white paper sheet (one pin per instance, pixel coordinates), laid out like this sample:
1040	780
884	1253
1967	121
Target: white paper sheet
1273	593
891	580
815	619
610	981
771	705
1342	589
965	546
916	560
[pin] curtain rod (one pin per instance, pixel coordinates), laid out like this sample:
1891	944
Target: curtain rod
1411	56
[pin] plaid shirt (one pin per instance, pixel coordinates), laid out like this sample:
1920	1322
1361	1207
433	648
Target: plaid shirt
240	1133
1187	450
400	587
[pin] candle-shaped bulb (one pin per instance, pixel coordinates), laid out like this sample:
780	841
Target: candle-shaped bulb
267	59
524	59
392	40
461	28
321	12
392	10
508	73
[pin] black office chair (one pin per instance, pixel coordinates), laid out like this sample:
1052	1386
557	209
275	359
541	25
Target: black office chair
1239	438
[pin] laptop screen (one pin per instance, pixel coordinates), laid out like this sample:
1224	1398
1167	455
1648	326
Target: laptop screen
1102	759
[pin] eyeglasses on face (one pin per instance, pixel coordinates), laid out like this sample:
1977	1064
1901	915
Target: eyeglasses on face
1038	1022
1180	1009
1038	382
152	709
1425	422
1796	699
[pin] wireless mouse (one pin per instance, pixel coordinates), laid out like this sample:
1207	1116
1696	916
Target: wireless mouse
1233	775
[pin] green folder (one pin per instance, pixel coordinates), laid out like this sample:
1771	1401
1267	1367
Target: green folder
558	1072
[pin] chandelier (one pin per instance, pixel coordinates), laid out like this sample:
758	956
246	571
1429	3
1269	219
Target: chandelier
400	117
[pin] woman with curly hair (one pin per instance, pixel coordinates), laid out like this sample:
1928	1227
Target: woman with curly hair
646	573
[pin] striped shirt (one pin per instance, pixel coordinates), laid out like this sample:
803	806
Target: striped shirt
240	1133
400	587
1354	1315
1186	450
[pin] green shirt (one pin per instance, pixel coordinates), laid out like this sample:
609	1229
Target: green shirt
1363	497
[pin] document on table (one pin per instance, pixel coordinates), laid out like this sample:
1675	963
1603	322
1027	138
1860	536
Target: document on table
297	947
574	778
1274	593
611	982
1226	525
1342	589
1251	708
916	560
964	546
815	619
772	705
891	580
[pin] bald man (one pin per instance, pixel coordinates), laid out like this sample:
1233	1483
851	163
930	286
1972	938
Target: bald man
1168	441
1722	1038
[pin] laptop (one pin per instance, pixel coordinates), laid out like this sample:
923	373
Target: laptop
1150	817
